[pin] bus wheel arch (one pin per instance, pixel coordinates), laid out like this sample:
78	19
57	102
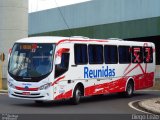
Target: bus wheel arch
78	91
129	88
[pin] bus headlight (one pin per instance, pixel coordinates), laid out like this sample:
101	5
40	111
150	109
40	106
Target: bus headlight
45	86
11	85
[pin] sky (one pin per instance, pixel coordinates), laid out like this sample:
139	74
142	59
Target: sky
38	5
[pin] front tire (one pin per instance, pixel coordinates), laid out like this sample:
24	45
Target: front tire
76	96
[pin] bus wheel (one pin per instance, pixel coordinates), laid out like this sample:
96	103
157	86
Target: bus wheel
39	101
76	96
129	90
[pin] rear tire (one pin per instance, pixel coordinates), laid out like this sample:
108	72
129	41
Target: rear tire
129	90
77	93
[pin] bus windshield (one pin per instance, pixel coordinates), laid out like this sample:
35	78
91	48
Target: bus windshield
31	60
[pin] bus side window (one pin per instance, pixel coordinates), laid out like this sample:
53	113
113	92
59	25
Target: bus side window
137	54
80	54
148	54
124	54
95	54
63	66
110	54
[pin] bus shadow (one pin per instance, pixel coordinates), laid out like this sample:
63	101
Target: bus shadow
110	97
91	99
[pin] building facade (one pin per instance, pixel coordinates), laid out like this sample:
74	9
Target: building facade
137	20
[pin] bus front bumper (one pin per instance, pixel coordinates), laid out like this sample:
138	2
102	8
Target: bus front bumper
29	95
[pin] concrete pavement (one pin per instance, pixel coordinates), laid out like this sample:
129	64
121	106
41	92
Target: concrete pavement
151	105
107	104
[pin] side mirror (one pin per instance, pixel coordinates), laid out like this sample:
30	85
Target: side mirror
59	53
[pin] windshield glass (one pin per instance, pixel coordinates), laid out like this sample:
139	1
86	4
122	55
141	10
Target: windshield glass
31	60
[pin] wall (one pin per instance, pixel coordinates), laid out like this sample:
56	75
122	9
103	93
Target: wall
13	25
94	13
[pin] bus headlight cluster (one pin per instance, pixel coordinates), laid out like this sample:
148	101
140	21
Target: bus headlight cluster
11	85
45	86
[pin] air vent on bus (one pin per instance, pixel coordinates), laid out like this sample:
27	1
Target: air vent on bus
79	37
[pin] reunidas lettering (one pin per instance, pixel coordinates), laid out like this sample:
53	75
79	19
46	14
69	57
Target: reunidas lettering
98	73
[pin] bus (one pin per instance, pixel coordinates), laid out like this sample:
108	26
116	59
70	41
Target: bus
56	68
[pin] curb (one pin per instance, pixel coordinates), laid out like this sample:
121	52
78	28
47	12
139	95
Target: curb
130	104
3	91
150	105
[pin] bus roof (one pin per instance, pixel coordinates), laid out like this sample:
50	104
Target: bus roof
57	40
41	39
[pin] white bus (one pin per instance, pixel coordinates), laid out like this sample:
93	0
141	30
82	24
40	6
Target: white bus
55	68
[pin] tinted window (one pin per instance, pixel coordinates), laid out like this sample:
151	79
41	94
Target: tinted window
137	55
80	53
110	54
148	54
95	54
31	61
63	66
124	54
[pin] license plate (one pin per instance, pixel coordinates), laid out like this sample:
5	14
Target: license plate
26	93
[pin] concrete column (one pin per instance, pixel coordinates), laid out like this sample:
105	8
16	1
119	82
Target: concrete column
13	25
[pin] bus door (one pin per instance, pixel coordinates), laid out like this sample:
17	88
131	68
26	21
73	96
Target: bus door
61	67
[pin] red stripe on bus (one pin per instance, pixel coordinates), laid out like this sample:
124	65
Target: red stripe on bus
131	70
65	95
118	85
67	40
58	79
127	68
26	89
